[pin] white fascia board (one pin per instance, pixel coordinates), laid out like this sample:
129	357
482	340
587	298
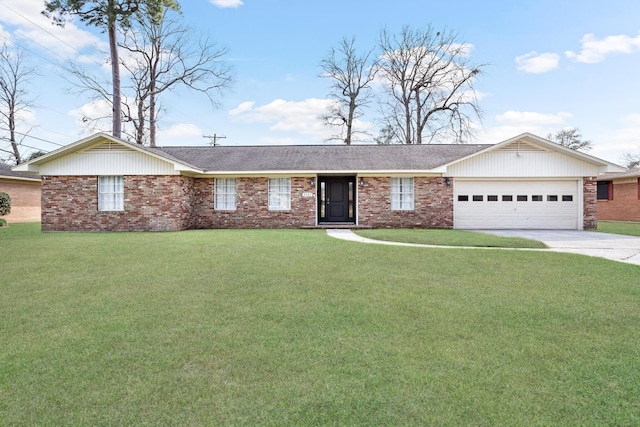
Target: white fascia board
323	172
20	178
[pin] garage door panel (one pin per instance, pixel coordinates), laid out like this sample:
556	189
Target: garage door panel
555	205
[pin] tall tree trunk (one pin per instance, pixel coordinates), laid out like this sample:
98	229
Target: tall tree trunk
152	119
115	74
12	135
140	123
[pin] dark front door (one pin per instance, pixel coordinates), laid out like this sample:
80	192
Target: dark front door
336	201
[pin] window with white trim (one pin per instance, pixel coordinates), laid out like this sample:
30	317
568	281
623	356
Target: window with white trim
402	194
279	194
224	194
110	193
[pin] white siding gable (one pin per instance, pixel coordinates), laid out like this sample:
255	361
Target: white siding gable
523	160
108	158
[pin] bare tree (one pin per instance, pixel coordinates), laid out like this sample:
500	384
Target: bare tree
107	14
631	160
163	55
429	85
351	75
15	76
571	138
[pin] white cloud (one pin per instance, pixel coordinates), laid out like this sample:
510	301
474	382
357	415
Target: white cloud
244	107
536	63
24	20
180	131
297	116
227	3
290	122
529	118
513	123
94	116
594	50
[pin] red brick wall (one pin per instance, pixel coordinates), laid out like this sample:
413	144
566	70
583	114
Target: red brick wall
151	203
625	205
25	200
433	204
590	205
252	206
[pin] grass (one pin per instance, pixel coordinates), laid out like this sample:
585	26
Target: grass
449	238
291	327
628	228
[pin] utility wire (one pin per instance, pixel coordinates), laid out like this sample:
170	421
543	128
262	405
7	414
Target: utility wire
29	136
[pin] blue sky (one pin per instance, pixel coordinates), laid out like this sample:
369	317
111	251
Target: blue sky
551	65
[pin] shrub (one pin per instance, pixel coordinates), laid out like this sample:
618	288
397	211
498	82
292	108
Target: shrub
5	204
3	222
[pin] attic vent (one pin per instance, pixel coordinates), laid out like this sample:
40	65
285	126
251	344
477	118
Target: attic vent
108	146
519	146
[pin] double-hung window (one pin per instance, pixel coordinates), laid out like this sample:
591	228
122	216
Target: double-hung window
110	193
402	194
279	194
225	194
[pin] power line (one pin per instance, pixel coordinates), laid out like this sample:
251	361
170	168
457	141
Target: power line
43	29
44	47
32	137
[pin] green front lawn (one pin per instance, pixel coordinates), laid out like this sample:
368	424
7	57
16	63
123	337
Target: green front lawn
292	327
628	228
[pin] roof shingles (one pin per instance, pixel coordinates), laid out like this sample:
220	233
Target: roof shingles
315	158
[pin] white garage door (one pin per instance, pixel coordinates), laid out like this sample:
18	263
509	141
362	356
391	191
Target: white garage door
521	204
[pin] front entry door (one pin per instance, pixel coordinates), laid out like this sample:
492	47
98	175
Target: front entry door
336	201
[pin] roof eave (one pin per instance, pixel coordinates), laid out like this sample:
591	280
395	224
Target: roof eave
33	165
314	172
609	166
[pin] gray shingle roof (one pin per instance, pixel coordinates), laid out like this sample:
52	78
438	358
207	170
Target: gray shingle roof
314	158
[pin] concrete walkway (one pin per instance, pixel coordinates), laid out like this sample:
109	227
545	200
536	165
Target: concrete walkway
609	246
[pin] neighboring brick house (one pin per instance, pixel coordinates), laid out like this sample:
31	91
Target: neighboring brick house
619	196
24	190
102	183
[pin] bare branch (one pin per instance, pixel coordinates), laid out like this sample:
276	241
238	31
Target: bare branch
15	77
428	85
351	76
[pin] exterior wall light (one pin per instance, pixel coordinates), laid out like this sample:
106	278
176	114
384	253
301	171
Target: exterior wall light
447	181
361	182
312	182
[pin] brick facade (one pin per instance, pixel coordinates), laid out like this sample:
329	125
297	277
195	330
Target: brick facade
590	207
172	203
252	206
625	205
151	203
433	204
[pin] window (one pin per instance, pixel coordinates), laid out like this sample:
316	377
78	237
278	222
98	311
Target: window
478	198
110	193
552	198
225	194
605	190
279	194
522	198
463	198
536	198
492	198
507	198
568	198
402	194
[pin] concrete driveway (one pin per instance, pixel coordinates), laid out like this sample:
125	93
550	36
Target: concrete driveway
610	246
